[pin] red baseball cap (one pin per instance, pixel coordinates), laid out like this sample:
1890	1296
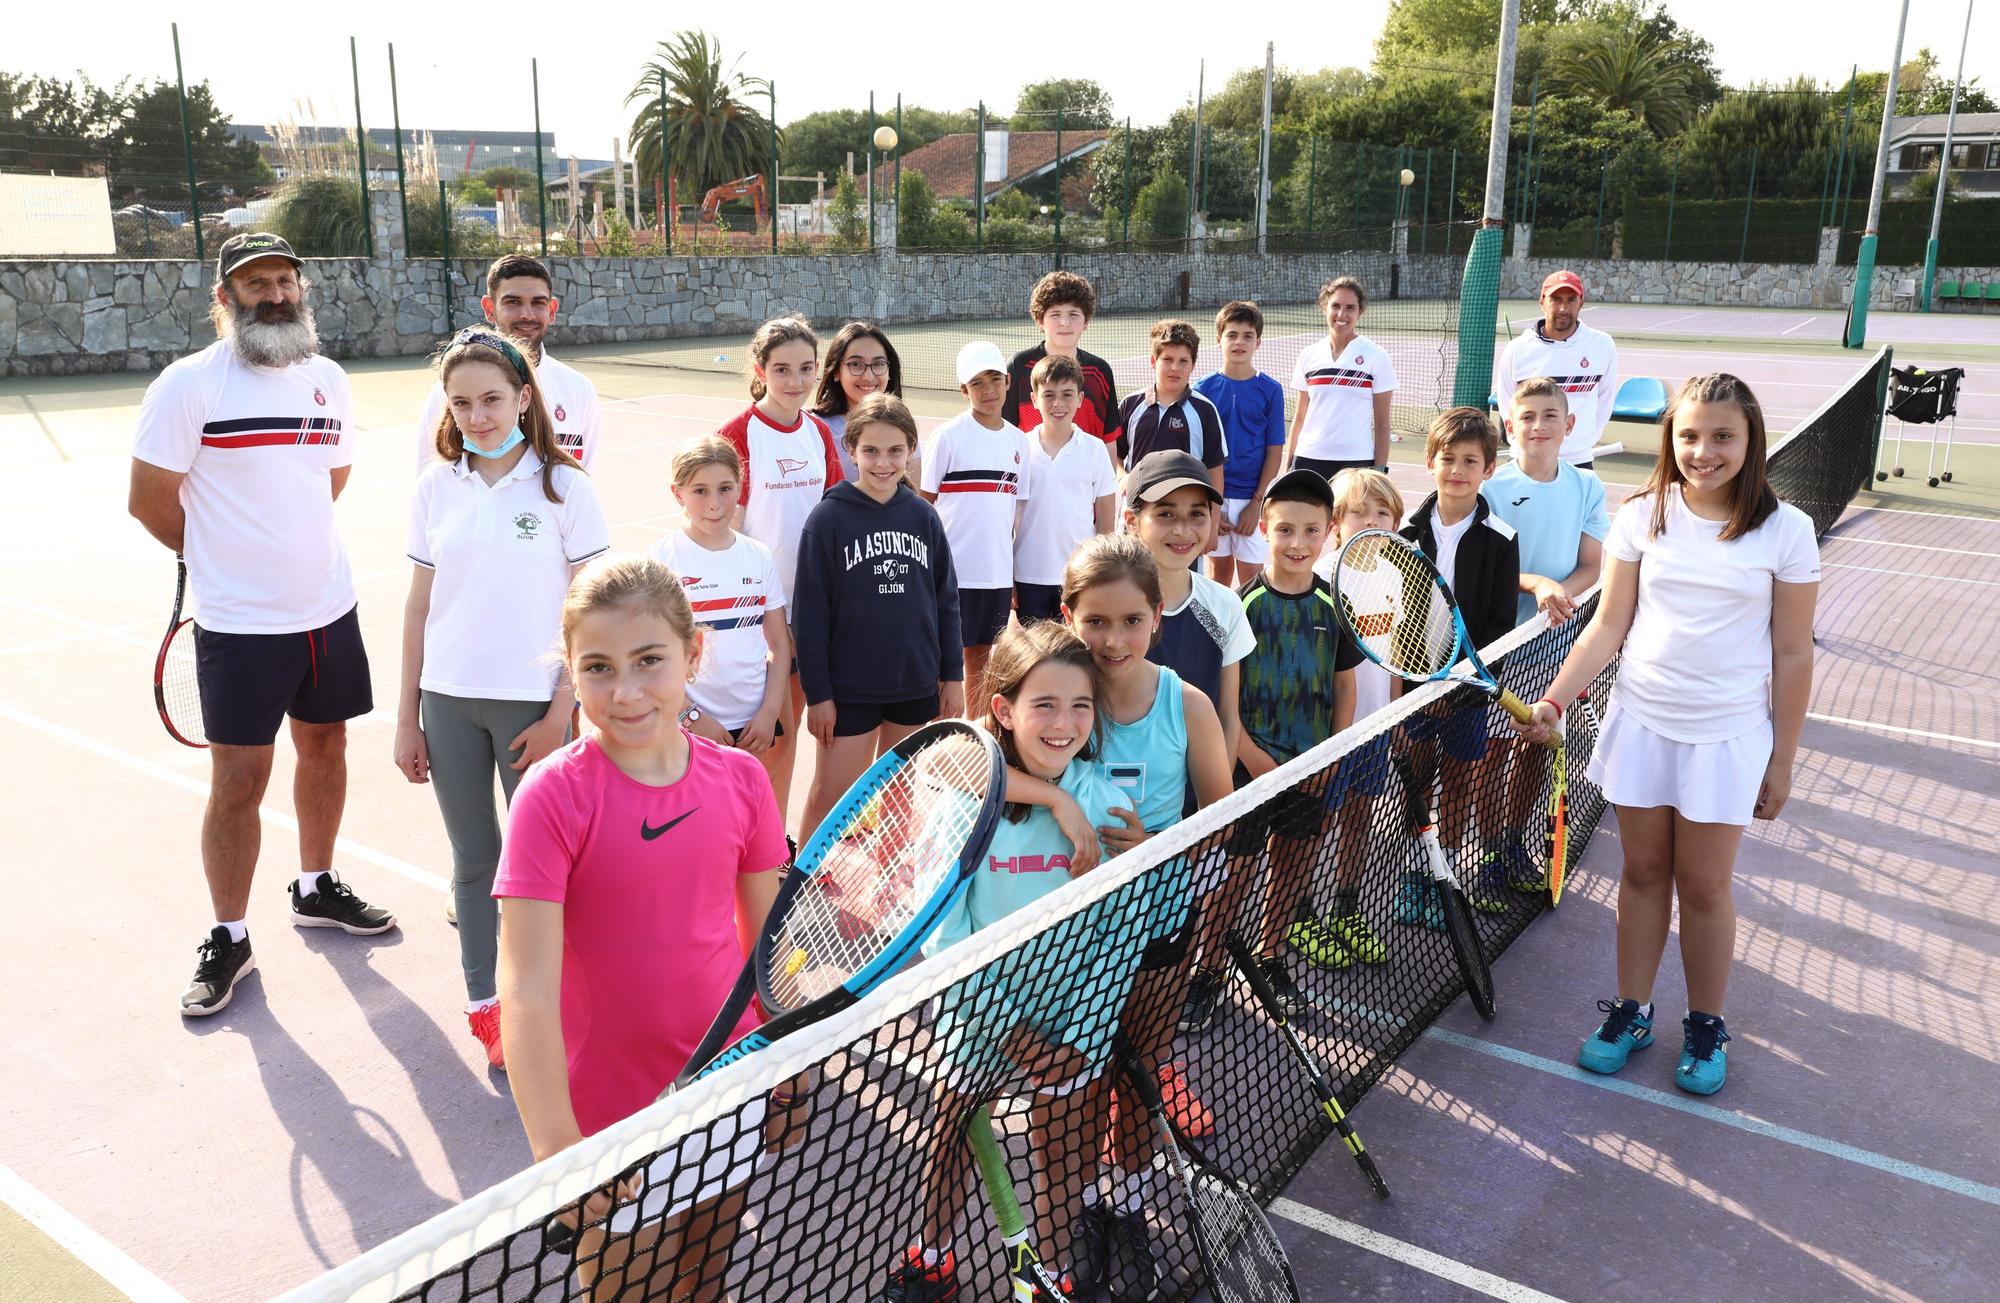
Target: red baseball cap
1562	280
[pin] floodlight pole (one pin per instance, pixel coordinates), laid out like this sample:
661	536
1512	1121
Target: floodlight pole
1264	154
1864	259
1944	163
1479	297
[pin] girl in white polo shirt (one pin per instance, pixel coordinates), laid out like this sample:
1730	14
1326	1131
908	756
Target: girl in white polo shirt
789	463
1345	383
1709	586
497	528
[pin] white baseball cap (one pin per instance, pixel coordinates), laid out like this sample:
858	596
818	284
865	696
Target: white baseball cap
979	357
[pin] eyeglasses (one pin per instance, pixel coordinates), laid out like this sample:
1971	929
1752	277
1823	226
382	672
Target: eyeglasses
855	366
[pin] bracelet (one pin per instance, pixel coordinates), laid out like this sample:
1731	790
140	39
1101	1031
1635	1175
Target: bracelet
783	1100
1553	704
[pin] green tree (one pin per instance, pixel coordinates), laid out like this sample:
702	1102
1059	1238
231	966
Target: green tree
476	191
850	221
151	146
820	142
1634	69
505	176
1160	209
718	134
1083	102
1416	28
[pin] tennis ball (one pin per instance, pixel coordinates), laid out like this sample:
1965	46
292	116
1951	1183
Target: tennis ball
885	138
1407	177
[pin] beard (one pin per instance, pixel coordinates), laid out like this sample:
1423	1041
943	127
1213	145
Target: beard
272	334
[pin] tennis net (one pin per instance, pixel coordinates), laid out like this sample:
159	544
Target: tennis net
818	1200
1822	464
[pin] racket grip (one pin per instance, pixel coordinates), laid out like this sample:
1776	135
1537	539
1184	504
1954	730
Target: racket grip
1525	713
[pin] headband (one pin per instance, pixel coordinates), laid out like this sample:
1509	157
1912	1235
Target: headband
500	343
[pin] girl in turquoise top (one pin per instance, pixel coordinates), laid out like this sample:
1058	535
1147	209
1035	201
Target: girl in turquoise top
1038	1021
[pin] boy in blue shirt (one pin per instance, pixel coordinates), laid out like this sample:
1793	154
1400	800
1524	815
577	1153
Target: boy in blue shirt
1252	405
1559	516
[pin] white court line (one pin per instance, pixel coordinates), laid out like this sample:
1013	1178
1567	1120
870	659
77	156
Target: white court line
277	818
1809	321
84	1244
1906	732
1921	547
1934	515
1458	1273
1912	574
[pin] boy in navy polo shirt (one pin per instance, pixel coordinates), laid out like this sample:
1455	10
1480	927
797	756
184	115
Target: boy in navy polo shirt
1252	405
1169	416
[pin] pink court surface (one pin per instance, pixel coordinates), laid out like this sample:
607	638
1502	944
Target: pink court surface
339	1100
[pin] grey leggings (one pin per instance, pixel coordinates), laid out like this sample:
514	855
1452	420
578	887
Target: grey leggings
467	739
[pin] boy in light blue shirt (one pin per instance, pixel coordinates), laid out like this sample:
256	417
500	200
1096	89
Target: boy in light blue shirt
1559	517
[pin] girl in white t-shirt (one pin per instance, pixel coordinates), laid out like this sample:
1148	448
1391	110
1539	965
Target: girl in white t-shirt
1345	384
497	528
859	361
789	463
740	686
1709	587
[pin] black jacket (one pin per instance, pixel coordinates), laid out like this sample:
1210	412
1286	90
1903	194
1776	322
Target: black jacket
1487	570
875	603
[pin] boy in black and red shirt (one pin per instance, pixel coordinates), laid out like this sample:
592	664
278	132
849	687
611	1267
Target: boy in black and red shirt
1062	305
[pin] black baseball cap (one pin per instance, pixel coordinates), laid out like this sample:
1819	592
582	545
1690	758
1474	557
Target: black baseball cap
1159	473
1301	485
248	246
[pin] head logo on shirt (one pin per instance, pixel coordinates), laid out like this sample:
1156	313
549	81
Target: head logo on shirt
527	522
786	466
319	398
560	414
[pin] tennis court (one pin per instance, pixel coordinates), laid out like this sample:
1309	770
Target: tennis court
338	1102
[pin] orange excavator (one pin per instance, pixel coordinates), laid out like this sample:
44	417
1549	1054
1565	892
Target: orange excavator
743	187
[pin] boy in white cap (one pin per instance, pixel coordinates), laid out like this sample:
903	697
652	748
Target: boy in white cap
1582	359
975	468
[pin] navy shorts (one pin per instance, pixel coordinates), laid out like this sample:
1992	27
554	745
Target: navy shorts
1293	814
1037	601
1330	467
736	734
251	681
1461	731
1363	771
982	614
854	718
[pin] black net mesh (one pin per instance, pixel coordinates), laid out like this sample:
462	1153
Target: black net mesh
1828	459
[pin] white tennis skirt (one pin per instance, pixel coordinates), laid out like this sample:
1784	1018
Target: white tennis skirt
1707	782
703	1166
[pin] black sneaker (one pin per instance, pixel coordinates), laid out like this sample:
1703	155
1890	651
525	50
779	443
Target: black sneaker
1137	1276
220	966
1090	1251
334	904
1290	999
1204	994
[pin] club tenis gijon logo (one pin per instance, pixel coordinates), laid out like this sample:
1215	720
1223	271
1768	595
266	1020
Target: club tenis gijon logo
319	397
528	523
560	414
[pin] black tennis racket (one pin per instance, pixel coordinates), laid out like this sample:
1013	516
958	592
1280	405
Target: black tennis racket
1240	1253
1458	927
176	690
1323	1091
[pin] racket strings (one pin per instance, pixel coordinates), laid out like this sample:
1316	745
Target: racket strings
1248	1261
878	870
1395	607
179	688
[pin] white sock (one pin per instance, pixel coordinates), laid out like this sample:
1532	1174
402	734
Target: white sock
476	1005
237	930
934	1257
309	882
1646	1009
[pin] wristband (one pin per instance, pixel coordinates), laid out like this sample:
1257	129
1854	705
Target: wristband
1552	704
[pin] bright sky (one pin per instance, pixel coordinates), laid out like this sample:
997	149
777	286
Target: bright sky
825	57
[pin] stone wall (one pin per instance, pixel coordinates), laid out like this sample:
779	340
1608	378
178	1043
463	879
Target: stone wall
65	317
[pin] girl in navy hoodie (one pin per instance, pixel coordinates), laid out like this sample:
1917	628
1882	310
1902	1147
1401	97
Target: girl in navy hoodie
874	608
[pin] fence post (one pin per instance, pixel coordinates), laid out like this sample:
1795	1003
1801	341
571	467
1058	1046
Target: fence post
979	182
361	147
896	173
1749	199
1424	236
1450	199
1603	178
1673	186
776	183
1059	183
1312	179
402	182
541	182
187	148
872	124
1528	158
444	262
1128	183
1840	166
1194	132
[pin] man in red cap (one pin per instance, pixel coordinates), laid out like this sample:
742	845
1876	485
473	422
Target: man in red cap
1580	358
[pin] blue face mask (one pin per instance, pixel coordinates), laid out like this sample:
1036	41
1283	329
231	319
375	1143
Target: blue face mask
507	445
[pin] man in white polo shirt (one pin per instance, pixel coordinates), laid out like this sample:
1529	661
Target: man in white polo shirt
1582	359
521	301
241	450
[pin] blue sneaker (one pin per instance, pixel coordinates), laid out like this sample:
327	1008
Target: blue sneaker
1704	1063
1417	903
1625	1029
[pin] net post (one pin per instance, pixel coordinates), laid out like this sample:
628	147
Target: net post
402	181
1864	262
361	147
187	149
1749	201
541	180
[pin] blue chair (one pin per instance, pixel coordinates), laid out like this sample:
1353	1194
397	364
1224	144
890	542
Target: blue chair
1641	398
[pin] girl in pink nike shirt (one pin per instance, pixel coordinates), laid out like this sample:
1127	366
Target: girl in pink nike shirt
637	871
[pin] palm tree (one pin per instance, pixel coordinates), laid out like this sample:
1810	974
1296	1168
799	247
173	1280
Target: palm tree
1626	66
716	135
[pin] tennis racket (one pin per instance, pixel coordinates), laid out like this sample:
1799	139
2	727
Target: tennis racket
1240	1253
1329	1100
176	690
1027	1278
1401	613
1458	928
1556	854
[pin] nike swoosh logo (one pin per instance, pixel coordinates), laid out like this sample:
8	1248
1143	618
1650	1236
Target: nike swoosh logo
650	833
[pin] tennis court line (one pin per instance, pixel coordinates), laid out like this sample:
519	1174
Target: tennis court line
1920	547
1410	1255
1933	515
1913	574
278	818
1905	732
82	1243
1945	1181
